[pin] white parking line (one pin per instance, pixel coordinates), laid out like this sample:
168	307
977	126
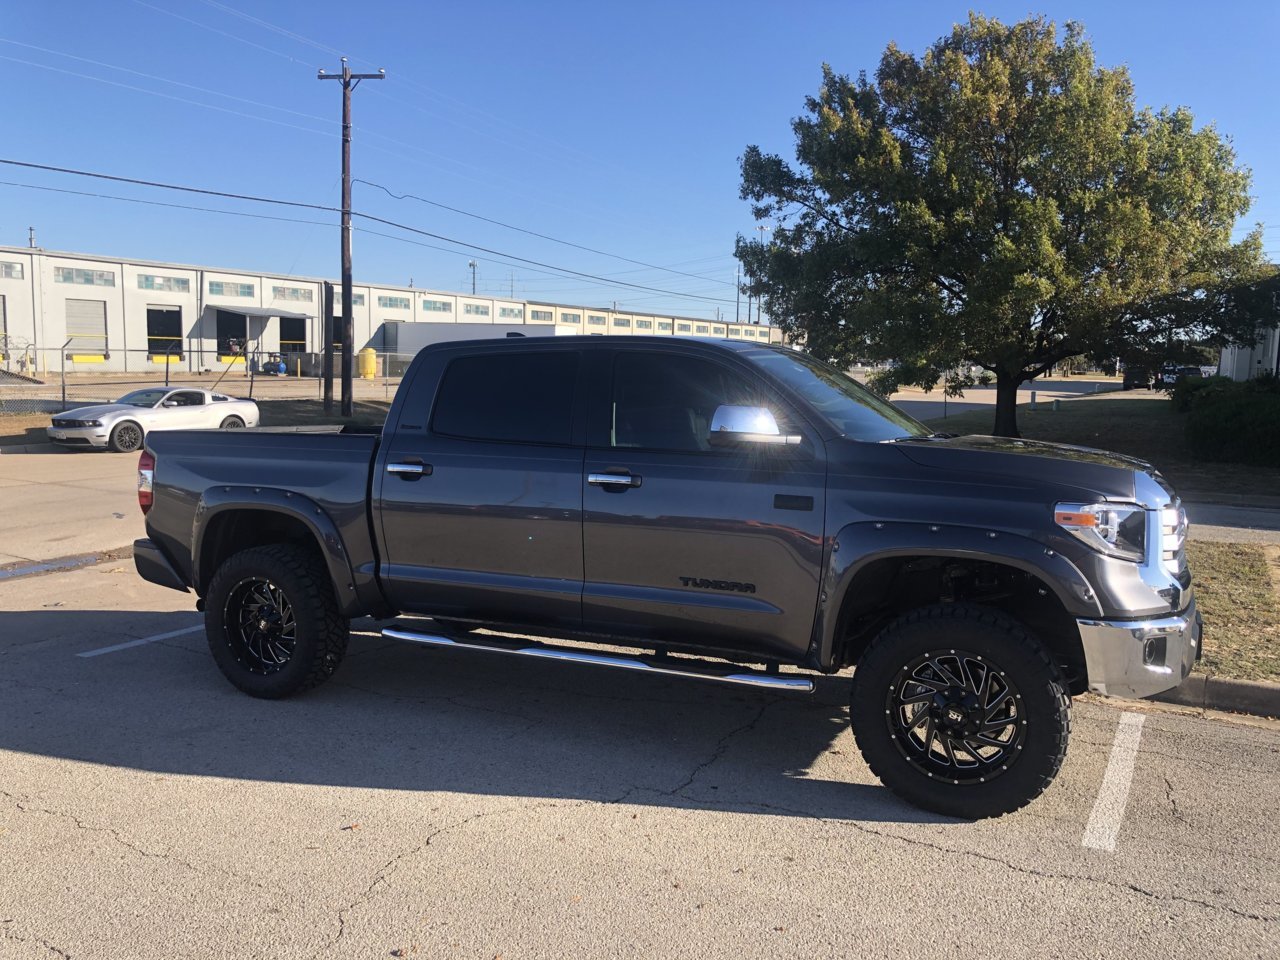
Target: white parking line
1113	796
138	643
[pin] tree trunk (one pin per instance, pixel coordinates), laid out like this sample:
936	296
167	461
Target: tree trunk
1007	404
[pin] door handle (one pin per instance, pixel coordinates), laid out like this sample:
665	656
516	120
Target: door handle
409	471
613	479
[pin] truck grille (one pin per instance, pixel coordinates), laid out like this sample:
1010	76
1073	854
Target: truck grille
1173	538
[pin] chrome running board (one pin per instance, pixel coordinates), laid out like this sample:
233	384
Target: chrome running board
747	678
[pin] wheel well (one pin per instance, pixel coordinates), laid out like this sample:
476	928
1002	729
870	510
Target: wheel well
885	589
235	530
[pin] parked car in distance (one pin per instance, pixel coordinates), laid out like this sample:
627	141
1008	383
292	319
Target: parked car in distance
122	426
1136	376
1171	373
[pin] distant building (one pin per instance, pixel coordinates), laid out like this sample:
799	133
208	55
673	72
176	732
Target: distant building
1245	363
107	313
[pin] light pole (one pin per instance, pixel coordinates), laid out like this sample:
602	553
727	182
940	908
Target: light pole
472	265
759	301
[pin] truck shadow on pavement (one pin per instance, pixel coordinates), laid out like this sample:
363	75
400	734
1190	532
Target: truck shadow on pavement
401	717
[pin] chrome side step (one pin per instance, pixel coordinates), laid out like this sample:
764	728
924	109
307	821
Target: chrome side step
747	678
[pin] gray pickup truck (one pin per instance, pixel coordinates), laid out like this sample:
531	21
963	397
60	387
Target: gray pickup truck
719	510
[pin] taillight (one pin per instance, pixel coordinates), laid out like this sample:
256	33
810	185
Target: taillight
146	480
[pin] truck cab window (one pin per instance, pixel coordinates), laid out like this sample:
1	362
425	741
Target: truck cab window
508	397
665	402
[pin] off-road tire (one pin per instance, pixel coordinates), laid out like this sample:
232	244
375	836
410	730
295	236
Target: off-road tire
231	423
321	631
126	437
1043	710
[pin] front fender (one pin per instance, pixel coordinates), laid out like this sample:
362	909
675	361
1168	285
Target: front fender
226	499
859	544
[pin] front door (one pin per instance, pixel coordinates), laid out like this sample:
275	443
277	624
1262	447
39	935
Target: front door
693	544
480	489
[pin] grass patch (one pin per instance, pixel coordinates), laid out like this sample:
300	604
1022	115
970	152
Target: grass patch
1236	587
1144	427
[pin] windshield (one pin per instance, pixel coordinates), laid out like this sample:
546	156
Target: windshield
857	412
143	398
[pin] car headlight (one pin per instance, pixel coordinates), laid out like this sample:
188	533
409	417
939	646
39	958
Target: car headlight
1116	529
90	423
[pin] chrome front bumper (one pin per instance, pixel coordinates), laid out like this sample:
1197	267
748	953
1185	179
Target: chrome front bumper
1138	658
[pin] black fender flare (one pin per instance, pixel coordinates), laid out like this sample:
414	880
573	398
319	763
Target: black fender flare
861	543
227	499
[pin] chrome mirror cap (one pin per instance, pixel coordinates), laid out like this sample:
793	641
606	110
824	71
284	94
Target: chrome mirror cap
733	424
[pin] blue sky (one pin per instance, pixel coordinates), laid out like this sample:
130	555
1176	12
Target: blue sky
610	126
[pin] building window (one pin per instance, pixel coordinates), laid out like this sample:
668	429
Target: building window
682	328
570	318
718	331
303	294
644	324
475	309
222	288
511	313
544	316
621	321
394	303
595	320
702	328
10	270
437	306
149	281
88	278
357	299
664	325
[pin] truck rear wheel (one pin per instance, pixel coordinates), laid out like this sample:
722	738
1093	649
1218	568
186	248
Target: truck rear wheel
272	621
957	709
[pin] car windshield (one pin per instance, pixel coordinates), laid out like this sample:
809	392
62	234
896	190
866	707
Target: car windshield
143	398
857	412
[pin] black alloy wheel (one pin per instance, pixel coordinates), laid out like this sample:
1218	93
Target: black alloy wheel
272	620
261	628
956	715
958	709
126	437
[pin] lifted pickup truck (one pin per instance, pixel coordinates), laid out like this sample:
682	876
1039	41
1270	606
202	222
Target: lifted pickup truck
722	509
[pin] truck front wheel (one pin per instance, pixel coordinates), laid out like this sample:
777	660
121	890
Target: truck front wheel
272	621
957	709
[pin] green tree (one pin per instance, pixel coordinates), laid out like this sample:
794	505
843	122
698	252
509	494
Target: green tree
1000	203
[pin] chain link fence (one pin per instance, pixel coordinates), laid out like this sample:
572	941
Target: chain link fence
49	381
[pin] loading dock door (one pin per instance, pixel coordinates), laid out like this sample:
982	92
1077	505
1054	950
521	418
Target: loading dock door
164	333
87	330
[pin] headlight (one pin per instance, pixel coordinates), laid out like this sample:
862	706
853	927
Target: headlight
1116	529
90	423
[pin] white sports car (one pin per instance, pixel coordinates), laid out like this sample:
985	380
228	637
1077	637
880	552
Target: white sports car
123	425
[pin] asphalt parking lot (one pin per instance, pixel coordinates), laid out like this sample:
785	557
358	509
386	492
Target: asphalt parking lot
427	803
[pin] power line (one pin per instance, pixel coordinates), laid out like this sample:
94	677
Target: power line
534	233
391	223
161	203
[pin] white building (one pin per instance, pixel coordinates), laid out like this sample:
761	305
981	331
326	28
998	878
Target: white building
1245	363
107	313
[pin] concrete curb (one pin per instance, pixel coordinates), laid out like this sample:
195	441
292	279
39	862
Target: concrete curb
1218	693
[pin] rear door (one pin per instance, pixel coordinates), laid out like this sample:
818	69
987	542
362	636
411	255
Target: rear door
479	489
695	545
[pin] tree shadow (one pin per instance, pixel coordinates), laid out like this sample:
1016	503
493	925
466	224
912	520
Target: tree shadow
402	717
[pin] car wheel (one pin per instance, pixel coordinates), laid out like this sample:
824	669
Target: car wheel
231	423
272	621
126	437
957	709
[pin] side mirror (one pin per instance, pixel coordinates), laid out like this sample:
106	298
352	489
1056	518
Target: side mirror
169	403
732	425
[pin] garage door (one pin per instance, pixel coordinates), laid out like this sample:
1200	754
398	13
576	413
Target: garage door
87	328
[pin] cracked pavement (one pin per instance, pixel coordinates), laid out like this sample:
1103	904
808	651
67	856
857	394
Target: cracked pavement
428	803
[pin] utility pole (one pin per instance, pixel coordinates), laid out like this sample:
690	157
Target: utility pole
737	296
326	331
472	265
349	82
31	237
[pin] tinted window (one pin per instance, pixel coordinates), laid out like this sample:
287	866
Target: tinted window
665	402
513	397
856	411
